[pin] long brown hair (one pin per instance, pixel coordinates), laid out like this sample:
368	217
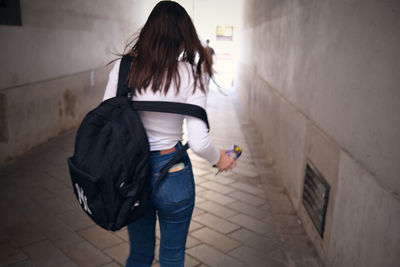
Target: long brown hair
168	31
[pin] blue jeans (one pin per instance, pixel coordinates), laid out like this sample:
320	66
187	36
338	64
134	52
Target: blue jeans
173	203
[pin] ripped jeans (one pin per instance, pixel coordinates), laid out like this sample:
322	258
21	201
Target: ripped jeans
172	202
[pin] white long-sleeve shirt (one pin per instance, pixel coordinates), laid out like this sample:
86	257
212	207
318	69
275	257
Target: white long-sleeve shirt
165	130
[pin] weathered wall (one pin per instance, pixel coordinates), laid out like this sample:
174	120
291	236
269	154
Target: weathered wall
53	66
320	80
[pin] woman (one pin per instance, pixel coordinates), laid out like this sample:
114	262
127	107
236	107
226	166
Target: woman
169	64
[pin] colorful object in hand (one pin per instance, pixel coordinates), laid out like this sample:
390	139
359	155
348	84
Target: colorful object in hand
235	152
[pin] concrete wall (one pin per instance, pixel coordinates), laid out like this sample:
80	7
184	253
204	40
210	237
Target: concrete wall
320	80
53	67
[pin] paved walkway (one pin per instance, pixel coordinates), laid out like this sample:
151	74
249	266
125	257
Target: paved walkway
242	218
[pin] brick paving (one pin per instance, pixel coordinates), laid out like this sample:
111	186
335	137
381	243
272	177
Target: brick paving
241	218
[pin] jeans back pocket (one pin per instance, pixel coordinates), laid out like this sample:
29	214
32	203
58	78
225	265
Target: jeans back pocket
178	186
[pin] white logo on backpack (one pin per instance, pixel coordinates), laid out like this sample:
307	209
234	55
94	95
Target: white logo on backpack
82	198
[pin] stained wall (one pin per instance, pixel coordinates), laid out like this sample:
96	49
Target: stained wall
54	67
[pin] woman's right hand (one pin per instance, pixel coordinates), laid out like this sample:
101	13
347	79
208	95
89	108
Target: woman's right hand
225	162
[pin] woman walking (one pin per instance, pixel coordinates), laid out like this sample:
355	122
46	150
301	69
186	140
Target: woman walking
169	64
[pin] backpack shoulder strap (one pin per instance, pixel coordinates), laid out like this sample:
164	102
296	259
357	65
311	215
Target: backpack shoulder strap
124	68
172	107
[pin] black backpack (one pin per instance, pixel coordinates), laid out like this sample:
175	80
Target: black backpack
110	166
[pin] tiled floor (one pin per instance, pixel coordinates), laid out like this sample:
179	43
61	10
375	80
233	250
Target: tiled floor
242	218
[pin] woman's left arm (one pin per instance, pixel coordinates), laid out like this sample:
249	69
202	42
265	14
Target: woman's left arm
199	138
